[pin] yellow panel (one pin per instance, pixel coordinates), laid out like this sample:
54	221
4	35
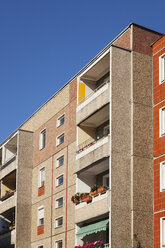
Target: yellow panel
81	92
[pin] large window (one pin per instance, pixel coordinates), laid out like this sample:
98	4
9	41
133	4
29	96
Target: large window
41	216
41	177
162	121
42	139
161	68
162	176
162	232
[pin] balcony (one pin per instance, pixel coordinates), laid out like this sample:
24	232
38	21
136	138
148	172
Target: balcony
7	238
98	206
94	101
91	151
7	202
8	167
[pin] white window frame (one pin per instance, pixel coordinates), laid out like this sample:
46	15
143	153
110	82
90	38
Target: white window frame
56	243
56	221
42	139
57	161
162	164
161	232
162	68
39	177
161	124
59	120
58	139
57	184
56	202
38	217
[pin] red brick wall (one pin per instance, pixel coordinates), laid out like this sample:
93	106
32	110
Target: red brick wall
124	40
159	142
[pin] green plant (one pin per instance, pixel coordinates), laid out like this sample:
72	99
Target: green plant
94	188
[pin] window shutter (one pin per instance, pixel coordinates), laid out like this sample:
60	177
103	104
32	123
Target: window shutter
40	213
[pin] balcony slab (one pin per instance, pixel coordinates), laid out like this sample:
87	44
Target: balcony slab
8	204
93	103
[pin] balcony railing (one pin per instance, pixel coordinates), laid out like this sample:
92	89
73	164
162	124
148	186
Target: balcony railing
7	195
90	142
93	92
8	162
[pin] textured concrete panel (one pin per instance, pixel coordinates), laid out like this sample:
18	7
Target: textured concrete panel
24	189
8	204
7	170
91	210
142	78
121	148
142	130
97	102
92	157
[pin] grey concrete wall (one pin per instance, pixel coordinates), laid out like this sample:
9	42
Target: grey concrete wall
120	147
24	189
142	149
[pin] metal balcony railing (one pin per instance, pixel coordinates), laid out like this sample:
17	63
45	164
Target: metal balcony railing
99	87
7	163
86	144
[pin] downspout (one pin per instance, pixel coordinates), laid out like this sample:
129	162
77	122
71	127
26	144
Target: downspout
52	204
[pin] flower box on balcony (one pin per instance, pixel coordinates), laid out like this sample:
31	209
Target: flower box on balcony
87	199
7	195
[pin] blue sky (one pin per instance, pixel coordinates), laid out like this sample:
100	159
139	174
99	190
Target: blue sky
44	43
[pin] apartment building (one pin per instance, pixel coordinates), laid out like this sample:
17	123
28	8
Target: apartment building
96	130
158	49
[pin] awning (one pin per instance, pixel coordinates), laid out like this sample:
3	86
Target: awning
92	228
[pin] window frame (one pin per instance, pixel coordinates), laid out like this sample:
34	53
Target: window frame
59	120
161	132
161	175
39	177
42	139
38	219
57	161
162	68
56	220
57	184
161	232
56	202
58	139
58	241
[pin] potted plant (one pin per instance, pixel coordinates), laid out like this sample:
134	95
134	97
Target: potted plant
76	198
102	188
87	197
94	189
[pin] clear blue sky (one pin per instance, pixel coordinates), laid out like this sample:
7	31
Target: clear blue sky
44	43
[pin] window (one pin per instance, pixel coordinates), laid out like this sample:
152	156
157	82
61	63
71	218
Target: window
42	139
61	120
162	121
161	69
58	244
60	139
162	176
162	232
59	202
60	161
40	246
41	178
59	180
59	222
41	216
106	180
